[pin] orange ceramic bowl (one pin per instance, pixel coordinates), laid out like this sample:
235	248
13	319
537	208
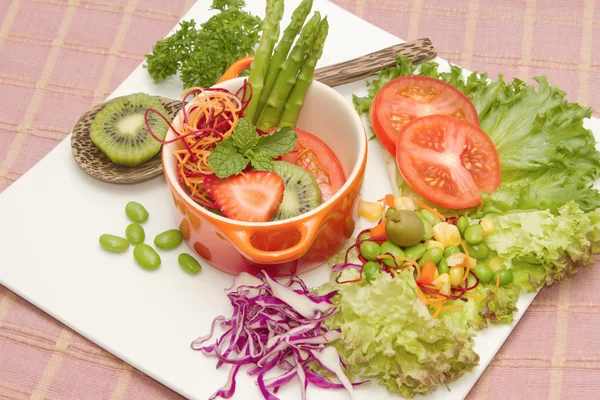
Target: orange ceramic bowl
294	245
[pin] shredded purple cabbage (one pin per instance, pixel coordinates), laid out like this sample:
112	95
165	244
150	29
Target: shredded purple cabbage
276	329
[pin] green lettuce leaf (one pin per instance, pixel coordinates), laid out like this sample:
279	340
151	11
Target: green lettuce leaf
542	248
547	157
389	335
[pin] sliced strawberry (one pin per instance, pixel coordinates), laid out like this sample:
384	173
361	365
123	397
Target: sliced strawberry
251	196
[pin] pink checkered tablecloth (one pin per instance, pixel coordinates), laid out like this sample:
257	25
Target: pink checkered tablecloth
60	57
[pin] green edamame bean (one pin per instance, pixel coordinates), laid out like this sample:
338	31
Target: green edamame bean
113	243
451	250
483	272
443	267
506	276
146	257
428	230
462	223
189	264
389	211
433	254
415	252
429	217
479	251
474	234
135	233
388	247
168	239
370	269
370	250
136	212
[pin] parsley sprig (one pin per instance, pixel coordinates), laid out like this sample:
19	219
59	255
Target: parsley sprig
232	155
202	55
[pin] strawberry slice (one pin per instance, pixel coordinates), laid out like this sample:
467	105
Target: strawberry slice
250	196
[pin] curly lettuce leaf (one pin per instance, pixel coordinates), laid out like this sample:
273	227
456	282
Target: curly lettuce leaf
547	156
389	335
543	248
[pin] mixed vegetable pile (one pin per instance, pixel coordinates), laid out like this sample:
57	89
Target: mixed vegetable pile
488	204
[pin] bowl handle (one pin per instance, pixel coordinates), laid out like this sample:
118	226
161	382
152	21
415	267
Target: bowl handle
308	231
234	70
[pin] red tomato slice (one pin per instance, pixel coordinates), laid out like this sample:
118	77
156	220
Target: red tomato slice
447	160
408	97
316	157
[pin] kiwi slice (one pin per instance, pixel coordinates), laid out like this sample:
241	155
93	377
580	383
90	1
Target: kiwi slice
119	129
301	193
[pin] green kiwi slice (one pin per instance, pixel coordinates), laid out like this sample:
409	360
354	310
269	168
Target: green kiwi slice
301	193
119	129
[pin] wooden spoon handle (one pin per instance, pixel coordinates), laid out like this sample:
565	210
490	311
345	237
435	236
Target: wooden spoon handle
365	66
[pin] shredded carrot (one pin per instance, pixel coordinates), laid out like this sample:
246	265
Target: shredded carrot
456	307
388	200
209	117
466	263
497	285
431	210
437	311
421	296
475	296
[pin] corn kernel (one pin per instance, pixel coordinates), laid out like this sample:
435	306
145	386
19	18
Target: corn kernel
433	243
456	259
496	263
370	210
404	203
447	234
456	275
487	225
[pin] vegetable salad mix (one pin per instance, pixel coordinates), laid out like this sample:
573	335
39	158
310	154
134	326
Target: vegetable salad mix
400	325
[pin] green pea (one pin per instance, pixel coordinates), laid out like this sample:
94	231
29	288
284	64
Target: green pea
474	234
415	252
113	243
479	251
136	212
451	250
433	254
370	269
389	211
483	272
462	223
365	236
146	257
506	276
429	217
370	250
428	230
135	233
443	267
189	264
391	248
168	239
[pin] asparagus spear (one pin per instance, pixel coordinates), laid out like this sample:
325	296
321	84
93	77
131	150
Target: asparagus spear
269	117
262	56
282	50
295	101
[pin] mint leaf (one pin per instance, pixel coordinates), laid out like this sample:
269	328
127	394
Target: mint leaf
245	136
226	161
276	144
260	160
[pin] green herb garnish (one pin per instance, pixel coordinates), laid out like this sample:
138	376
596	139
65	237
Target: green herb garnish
232	155
202	55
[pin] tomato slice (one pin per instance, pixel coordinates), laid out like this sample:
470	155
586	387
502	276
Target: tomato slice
447	160
408	97
316	157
